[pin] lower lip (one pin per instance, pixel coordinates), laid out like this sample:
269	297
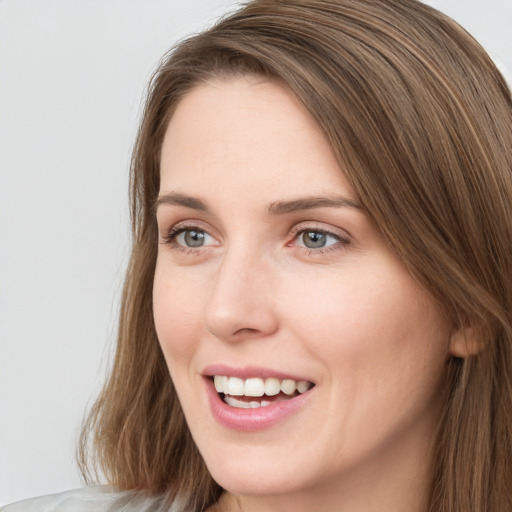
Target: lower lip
251	420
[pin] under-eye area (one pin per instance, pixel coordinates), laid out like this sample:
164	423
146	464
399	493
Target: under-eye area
257	392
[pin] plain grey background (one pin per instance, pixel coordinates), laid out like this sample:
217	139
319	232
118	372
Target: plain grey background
72	77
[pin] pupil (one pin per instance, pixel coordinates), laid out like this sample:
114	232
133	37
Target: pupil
194	238
314	239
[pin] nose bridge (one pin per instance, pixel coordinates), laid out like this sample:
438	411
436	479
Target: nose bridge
241	302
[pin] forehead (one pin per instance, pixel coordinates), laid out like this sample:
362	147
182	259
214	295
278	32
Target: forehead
247	131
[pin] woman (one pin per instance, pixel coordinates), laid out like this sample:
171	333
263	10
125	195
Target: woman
321	198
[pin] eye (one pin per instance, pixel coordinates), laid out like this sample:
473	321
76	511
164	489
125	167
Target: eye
190	237
316	241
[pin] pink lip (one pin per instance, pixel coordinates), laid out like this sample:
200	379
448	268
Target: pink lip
251	420
247	372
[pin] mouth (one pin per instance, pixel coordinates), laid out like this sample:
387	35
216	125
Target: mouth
258	392
250	399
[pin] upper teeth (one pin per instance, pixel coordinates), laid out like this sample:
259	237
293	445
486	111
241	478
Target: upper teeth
259	387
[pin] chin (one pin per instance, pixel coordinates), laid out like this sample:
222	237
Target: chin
250	481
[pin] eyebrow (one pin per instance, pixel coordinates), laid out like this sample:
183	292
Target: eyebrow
175	199
275	208
308	203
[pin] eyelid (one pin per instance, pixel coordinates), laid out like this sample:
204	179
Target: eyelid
169	235
337	233
341	237
176	237
174	225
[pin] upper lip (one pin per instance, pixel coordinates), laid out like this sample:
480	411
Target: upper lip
247	372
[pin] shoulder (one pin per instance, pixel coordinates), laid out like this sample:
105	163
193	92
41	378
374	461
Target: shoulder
101	498
78	500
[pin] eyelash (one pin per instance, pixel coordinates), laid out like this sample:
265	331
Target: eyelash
175	231
342	242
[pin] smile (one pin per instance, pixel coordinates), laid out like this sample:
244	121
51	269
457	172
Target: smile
254	398
247	390
257	387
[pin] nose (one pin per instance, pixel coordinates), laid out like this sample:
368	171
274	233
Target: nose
241	305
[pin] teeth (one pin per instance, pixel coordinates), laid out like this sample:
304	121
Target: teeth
288	386
235	386
235	402
254	387
257	387
220	382
240	404
272	387
230	400
303	386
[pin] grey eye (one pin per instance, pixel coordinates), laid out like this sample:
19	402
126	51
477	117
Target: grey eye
193	238
314	239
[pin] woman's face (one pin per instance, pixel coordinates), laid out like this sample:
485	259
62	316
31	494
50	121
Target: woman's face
271	279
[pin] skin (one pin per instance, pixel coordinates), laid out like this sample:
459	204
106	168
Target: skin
348	317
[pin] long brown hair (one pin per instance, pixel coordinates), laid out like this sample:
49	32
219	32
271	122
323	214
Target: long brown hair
421	121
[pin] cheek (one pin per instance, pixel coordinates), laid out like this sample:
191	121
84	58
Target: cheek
176	310
342	313
378	327
383	344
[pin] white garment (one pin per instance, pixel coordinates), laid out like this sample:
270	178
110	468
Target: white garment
101	498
